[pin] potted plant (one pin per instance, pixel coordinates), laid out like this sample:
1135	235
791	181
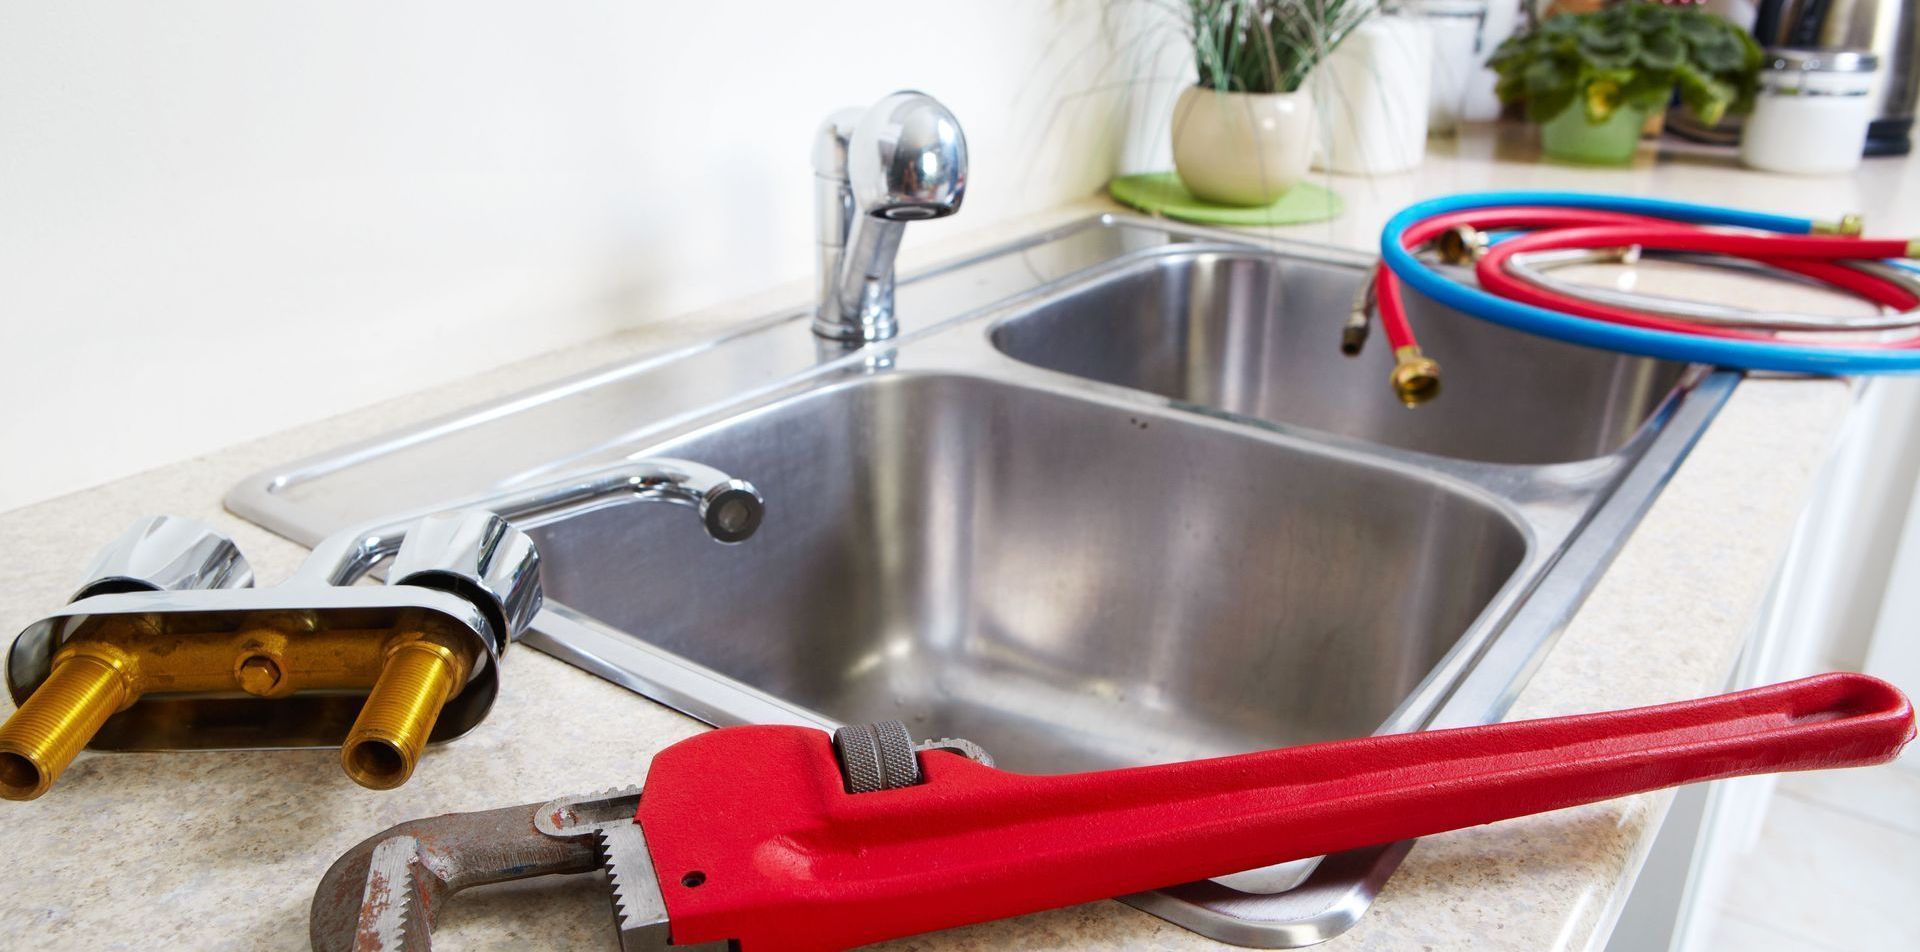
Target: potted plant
1591	78
1245	133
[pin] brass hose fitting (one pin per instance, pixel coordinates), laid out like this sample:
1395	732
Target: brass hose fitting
89	683
1850	225
418	678
1461	244
1415	378
1353	334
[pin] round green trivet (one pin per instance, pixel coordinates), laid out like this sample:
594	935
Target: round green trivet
1161	193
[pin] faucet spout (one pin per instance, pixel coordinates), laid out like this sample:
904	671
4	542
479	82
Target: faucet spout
903	160
730	510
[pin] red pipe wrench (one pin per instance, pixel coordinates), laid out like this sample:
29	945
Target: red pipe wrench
752	834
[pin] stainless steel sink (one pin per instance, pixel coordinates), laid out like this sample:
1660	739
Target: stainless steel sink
1073	584
1246	332
1113	497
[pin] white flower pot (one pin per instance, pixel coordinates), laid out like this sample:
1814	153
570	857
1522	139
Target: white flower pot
1242	148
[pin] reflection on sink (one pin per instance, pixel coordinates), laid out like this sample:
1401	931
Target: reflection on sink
1256	334
1073	574
1073	585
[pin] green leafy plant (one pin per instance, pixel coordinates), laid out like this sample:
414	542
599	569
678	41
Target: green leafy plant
1267	46
1634	54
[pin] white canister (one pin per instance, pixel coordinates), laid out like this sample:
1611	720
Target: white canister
1372	97
1482	103
1457	56
1812	113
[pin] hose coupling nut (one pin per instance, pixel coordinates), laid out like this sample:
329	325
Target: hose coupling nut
1415	378
1461	244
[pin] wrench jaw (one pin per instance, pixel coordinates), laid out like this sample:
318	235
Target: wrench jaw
384	894
396	906
639	909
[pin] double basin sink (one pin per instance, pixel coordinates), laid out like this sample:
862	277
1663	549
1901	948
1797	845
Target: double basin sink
1114	497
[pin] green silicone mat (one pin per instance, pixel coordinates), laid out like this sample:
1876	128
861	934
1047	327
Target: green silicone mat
1160	193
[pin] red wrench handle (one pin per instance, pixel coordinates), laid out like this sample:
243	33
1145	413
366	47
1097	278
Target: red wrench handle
786	859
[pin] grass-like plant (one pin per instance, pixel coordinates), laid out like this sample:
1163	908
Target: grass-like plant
1267	46
1633	54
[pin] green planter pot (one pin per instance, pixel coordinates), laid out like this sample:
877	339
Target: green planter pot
1569	137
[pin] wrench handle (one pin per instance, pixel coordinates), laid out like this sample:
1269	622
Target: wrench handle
791	861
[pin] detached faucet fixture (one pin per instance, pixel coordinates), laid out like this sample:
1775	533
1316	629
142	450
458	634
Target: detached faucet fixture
167	646
903	160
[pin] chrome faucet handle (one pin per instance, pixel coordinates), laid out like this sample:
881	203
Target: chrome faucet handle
903	160
479	556
166	553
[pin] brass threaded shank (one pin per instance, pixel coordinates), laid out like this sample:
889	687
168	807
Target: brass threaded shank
420	675
1415	377
89	683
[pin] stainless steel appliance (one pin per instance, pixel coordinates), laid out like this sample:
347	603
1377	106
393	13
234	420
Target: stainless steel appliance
1890	29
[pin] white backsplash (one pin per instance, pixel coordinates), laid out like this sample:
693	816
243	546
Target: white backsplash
220	219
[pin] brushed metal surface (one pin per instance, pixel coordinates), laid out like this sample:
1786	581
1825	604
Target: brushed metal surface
1200	328
1112	496
1071	585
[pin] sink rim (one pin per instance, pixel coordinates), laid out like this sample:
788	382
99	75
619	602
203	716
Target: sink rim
1473	683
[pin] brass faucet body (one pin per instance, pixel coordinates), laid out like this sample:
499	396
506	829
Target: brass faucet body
106	672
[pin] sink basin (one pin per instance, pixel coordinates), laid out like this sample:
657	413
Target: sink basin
1112	497
1062	581
1251	332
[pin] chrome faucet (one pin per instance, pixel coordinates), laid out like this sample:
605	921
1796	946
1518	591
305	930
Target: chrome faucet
903	160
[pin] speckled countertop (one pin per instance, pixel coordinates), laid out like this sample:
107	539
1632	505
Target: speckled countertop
222	850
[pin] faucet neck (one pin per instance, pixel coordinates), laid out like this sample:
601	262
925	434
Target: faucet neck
874	170
854	276
856	301
832	212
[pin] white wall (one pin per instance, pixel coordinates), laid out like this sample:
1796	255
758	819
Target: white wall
221	218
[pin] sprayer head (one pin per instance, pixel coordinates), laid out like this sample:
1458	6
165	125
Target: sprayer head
908	160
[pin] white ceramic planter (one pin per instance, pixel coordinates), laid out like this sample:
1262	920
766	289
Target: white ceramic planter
1243	148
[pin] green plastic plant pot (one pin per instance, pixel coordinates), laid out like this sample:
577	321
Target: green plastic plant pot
1569	137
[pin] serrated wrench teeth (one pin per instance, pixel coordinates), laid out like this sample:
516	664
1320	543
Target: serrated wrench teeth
384	894
639	911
